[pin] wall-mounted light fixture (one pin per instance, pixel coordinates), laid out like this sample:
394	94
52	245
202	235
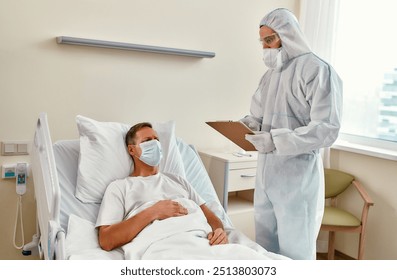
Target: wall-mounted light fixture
132	47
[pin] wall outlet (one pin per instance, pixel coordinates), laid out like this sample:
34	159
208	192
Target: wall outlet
8	171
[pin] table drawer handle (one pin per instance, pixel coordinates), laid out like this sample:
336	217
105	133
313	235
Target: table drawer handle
247	175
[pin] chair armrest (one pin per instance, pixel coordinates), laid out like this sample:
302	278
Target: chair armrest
367	202
367	199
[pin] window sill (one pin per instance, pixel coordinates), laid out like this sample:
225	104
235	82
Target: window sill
347	146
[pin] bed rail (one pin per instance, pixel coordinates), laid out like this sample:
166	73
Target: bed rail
47	192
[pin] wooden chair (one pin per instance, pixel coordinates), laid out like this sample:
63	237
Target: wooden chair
336	219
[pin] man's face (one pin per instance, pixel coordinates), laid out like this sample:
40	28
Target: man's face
269	38
143	135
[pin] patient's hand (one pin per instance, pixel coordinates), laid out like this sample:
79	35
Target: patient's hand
169	208
217	237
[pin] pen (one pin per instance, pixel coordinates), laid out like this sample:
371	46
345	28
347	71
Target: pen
239	154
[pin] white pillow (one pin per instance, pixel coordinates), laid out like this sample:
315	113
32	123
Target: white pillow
81	242
81	235
104	157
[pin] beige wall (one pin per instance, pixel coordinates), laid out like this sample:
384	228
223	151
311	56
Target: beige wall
38	75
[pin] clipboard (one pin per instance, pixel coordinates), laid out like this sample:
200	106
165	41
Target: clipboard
235	131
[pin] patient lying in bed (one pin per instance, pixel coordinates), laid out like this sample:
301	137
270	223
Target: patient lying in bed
152	215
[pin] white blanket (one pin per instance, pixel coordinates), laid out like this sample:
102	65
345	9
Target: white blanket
184	237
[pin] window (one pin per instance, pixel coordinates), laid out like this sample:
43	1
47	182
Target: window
365	56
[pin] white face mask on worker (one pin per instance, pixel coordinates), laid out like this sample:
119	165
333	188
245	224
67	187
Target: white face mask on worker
272	58
151	152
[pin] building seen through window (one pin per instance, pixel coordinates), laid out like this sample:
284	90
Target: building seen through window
387	125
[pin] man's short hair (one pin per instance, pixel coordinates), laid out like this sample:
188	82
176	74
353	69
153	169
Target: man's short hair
130	136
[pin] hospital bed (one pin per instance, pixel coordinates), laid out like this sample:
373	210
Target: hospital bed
66	223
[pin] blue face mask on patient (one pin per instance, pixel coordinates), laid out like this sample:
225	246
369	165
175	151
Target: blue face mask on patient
151	152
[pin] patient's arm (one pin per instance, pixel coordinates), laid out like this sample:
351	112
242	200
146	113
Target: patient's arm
116	235
218	235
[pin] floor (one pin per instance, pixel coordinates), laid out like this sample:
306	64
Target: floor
338	256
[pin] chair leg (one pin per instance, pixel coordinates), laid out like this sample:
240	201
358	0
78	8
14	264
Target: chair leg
361	246
331	245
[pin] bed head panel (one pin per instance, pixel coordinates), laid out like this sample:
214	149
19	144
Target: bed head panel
46	185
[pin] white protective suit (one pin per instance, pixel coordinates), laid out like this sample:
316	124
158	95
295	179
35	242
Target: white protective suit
298	109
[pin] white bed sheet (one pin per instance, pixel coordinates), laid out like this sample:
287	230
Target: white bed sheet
77	219
183	237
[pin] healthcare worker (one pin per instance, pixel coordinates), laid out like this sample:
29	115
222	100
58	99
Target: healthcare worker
297	109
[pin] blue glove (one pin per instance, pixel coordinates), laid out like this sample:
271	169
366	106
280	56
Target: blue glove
262	141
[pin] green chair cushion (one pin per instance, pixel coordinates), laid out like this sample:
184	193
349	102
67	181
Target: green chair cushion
336	182
338	217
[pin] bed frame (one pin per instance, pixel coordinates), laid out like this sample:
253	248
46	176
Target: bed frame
47	193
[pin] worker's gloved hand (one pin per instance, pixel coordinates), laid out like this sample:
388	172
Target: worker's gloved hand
262	141
251	123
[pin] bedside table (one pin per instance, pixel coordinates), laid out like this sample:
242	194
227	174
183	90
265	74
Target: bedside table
233	178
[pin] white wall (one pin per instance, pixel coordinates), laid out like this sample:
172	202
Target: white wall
38	75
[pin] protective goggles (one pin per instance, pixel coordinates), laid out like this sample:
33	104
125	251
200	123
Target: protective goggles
269	40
